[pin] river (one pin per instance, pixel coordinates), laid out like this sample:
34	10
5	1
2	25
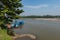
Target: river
42	29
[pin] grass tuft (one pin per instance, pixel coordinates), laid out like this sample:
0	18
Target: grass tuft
4	35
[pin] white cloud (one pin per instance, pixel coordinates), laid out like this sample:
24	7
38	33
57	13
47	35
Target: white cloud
37	6
57	6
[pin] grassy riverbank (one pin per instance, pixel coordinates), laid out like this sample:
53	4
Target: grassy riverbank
3	35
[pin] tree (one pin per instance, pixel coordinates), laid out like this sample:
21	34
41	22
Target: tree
9	9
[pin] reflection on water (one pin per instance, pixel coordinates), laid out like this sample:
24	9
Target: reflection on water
24	38
19	27
44	30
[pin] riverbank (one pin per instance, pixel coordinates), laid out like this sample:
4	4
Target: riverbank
3	35
51	19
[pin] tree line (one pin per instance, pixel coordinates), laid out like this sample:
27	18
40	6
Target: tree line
44	16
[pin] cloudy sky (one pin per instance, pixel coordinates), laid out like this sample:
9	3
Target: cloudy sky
41	7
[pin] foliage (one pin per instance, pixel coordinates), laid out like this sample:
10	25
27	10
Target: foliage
9	9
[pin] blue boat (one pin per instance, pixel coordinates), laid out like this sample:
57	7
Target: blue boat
17	23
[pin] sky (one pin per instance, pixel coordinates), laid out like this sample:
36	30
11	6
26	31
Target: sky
41	7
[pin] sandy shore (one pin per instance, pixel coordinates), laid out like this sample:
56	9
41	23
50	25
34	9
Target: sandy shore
51	19
24	35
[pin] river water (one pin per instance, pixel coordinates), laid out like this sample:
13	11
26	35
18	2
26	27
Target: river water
42	29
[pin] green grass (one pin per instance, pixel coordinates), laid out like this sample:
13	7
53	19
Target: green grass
3	35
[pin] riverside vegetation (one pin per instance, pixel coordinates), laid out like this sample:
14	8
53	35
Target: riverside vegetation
8	11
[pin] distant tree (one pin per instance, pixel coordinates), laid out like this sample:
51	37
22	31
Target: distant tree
9	10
